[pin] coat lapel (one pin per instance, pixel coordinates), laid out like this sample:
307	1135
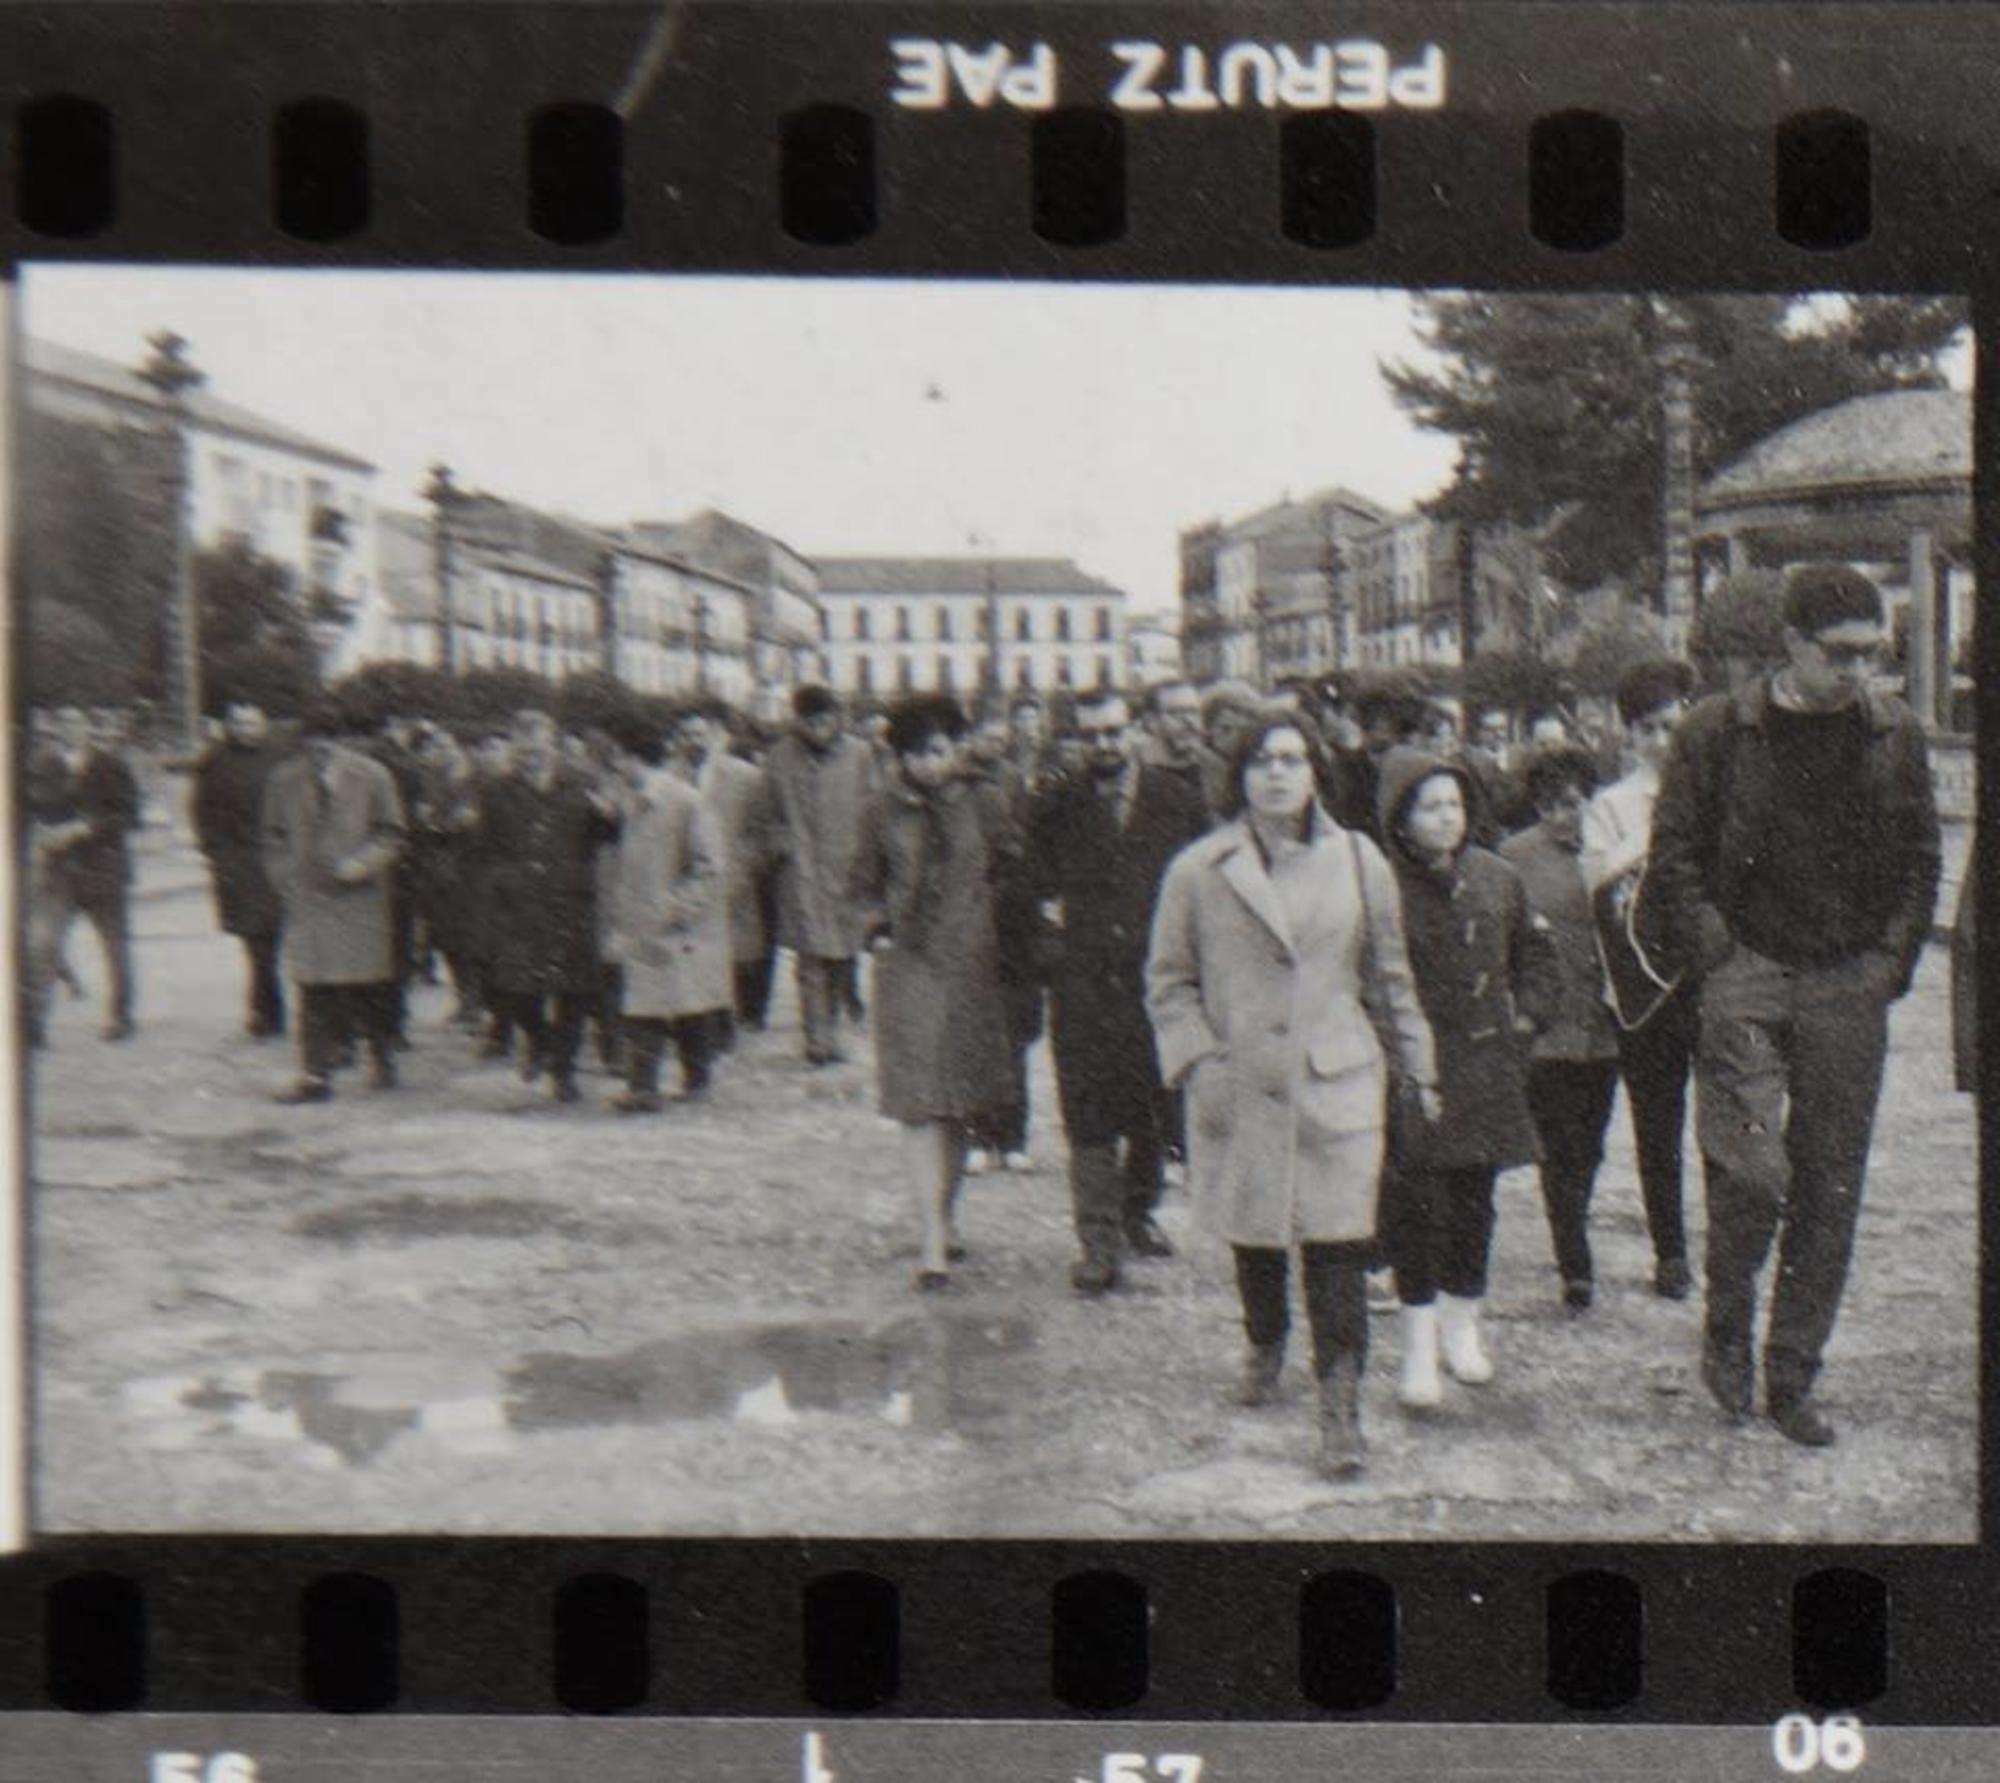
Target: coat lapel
1243	871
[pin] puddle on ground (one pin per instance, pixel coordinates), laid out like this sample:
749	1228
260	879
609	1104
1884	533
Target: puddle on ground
961	1371
927	1371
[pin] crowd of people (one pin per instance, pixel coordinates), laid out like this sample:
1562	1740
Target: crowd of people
1338	966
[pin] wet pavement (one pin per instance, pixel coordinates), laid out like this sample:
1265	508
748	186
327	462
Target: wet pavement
460	1307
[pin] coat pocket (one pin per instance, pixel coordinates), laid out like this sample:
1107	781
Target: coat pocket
1345	1082
1211	1097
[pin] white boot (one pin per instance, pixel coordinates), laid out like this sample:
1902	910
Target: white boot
1419	1385
1458	1331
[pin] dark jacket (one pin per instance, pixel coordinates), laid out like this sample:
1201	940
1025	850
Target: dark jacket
102	792
227	809
538	851
1108	881
1567	1003
1479	967
1714	818
1965	981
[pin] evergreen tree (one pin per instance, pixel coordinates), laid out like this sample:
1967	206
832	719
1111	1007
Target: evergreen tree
1555	400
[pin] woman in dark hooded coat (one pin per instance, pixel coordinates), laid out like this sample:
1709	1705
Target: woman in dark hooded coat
1480	968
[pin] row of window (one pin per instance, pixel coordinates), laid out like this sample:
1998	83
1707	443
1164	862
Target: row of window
269	489
944	676
944	631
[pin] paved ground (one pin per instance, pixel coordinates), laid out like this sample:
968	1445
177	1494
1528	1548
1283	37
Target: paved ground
458	1308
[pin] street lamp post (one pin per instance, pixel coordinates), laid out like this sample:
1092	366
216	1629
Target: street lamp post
701	612
168	370
442	493
1676	356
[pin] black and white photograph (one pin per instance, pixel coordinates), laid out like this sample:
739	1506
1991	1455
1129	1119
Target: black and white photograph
748	906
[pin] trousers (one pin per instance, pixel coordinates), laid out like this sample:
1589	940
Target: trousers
1336	1297
553	1025
1570	1100
1655	1062
333	1016
1439	1227
1788	1069
693	1038
267	992
823	995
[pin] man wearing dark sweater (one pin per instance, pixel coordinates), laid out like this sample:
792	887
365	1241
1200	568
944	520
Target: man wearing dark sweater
1795	848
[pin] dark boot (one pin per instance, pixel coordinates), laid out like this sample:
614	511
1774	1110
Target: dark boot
1263	1363
1097	1193
1343	1451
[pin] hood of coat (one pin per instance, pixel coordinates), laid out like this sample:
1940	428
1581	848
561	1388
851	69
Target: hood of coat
1402	771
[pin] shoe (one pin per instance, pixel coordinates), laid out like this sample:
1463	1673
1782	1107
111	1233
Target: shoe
955	1251
1673	1280
636	1102
1263	1363
1726	1372
382	1075
566	1090
1802	1422
695	1085
1145	1239
1458	1338
1343	1450
1020	1163
933	1281
1094	1275
307	1089
978	1161
1577	1297
120	1028
1419	1385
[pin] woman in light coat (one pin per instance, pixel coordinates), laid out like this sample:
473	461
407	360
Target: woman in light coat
666	922
1283	1002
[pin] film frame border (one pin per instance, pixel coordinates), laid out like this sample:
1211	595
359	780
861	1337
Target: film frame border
1699	93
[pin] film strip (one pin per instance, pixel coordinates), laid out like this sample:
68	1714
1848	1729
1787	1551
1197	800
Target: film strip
1557	150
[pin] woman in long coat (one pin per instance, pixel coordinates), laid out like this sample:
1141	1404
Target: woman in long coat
1282	998
666	926
934	857
1480	965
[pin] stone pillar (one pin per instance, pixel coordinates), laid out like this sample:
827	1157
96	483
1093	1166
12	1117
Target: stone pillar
1929	680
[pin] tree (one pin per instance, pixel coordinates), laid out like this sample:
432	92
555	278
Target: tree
1512	680
1611	642
1555	400
1740	630
379	690
95	542
255	642
69	659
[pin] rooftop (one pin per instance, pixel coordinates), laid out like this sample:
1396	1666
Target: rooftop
1899	439
70	365
958	575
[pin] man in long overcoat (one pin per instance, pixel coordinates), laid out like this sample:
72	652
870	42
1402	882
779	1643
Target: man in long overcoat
541	827
736	797
228	807
333	829
666	922
822	781
1098	848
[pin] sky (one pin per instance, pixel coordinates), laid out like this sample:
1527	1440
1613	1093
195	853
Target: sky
849	418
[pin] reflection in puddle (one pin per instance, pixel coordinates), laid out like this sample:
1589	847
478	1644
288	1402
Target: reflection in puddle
958	1371
929	1372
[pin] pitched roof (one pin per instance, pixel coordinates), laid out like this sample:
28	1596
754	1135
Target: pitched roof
1279	514
1895	438
71	365
958	575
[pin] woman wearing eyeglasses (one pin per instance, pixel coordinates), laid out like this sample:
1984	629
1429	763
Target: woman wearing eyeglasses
1282	999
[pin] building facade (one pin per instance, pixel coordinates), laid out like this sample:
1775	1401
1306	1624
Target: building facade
1152	650
785	623
966	625
1271	610
298	501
